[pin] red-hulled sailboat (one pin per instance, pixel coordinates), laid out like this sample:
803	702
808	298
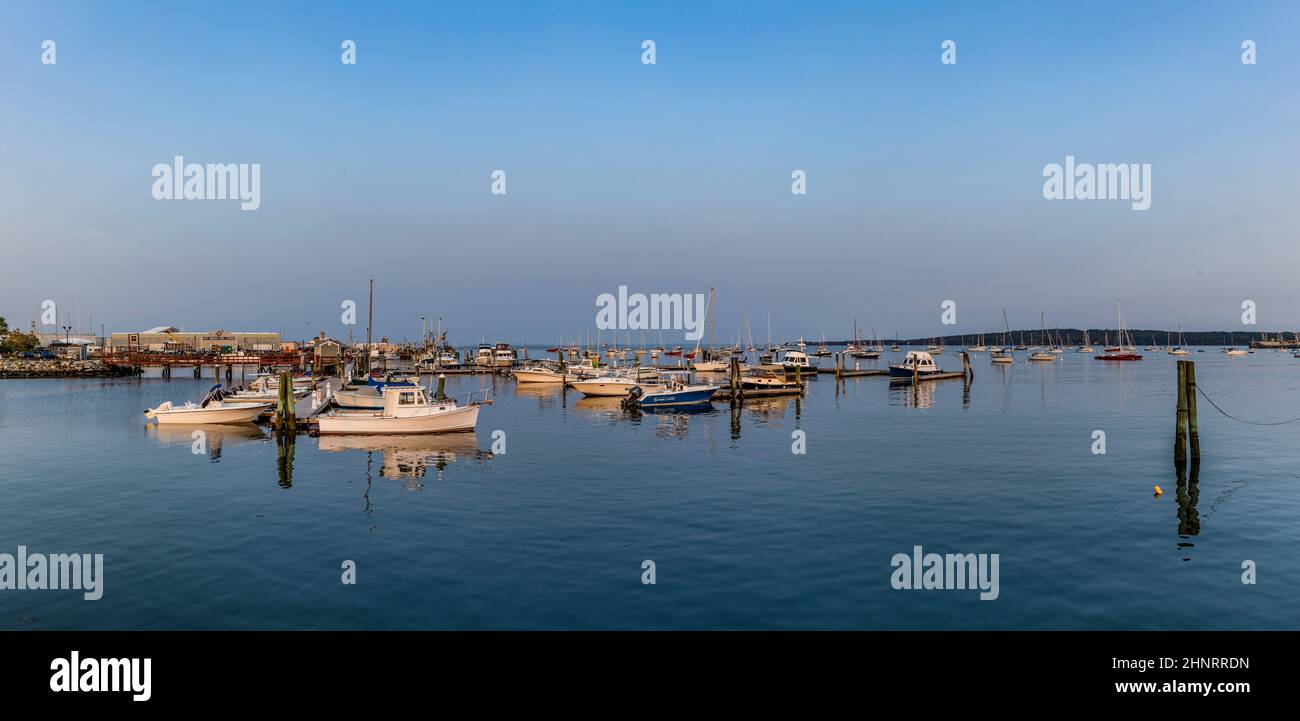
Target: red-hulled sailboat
1124	351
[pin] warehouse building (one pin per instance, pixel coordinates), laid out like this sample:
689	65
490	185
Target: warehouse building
169	339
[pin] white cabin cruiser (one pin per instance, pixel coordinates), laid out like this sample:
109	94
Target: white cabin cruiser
406	410
796	359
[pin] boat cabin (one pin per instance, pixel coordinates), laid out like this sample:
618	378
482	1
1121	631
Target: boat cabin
921	361
796	359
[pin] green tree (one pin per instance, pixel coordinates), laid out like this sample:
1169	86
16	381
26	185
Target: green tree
17	342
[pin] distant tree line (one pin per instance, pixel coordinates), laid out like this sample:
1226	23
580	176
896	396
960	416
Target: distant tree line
1099	336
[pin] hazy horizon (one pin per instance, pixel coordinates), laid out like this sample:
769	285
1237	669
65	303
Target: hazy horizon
924	180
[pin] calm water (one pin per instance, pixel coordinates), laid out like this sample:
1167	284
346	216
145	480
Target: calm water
744	533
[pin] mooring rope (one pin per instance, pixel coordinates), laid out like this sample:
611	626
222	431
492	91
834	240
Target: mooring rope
1241	420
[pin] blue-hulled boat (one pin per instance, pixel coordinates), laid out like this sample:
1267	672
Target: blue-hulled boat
917	363
676	394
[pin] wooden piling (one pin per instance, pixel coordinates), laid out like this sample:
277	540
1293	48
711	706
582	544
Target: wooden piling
1180	416
288	423
1193	434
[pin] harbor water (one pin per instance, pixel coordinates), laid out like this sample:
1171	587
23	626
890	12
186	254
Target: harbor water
226	530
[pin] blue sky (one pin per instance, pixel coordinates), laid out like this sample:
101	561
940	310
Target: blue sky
924	180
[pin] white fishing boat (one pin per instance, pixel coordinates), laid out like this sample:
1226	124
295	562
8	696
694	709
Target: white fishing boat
369	396
405	410
213	409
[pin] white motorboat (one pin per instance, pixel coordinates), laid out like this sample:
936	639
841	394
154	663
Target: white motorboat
768	380
447	359
545	374
213	409
612	386
711	366
917	364
503	356
406	410
795	359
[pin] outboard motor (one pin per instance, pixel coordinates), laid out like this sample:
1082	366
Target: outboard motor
632	401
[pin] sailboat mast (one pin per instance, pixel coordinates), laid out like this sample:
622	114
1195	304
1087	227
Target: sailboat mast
370	322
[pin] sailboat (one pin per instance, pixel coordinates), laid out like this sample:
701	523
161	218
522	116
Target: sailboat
858	349
1120	353
713	360
872	351
1003	354
1179	349
1087	346
1040	355
822	350
978	348
852	347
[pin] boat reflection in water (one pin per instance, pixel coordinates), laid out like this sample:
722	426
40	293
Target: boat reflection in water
206	439
409	457
770	411
918	395
607	408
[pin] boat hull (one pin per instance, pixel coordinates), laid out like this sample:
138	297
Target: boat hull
452	421
901	372
606	389
235	413
533	376
690	396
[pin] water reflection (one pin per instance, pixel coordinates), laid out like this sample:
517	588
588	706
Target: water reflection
208	439
1188	493
912	395
603	409
546	394
285	445
408	458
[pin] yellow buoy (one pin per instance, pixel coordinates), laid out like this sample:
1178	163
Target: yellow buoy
1159	492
